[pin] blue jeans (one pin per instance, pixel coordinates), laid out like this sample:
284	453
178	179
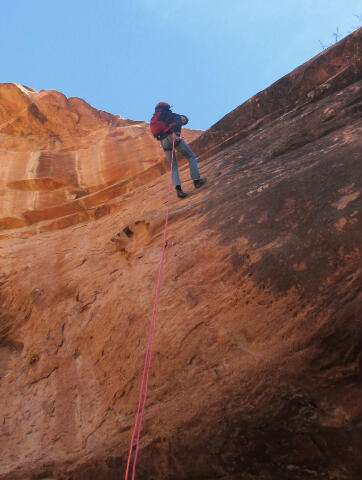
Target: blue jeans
186	151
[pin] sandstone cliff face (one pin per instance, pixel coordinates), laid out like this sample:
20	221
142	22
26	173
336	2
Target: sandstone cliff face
61	158
255	369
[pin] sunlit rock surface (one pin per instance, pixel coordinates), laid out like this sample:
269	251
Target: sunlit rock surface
255	372
61	158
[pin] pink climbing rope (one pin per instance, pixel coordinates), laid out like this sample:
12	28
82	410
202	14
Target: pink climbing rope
148	356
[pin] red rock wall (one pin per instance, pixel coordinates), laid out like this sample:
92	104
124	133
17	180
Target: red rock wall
331	70
55	150
255	372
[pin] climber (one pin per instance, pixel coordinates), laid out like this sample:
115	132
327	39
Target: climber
166	127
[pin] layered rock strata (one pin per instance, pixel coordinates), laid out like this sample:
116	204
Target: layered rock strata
255	372
61	159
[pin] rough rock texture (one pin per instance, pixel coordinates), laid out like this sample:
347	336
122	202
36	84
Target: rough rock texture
314	80
61	158
255	368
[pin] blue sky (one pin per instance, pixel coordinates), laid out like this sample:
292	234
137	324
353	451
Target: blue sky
205	57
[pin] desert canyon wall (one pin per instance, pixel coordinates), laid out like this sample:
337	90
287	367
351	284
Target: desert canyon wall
61	158
255	372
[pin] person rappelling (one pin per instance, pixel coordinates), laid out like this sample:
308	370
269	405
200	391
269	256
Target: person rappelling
166	126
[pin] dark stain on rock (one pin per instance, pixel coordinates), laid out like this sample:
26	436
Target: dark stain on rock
238	260
34	110
101	211
58	165
128	232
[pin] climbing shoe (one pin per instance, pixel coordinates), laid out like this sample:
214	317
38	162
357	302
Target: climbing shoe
200	182
179	192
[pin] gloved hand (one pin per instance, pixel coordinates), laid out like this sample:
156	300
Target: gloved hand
177	139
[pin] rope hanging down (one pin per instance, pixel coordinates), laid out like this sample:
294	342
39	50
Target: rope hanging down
148	356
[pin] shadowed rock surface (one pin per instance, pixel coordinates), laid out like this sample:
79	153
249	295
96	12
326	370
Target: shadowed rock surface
255	372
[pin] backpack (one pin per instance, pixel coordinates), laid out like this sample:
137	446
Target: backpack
159	123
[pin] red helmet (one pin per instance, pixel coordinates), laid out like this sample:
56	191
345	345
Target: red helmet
162	105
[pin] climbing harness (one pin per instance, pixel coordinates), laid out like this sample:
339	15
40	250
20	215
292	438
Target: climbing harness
148	356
